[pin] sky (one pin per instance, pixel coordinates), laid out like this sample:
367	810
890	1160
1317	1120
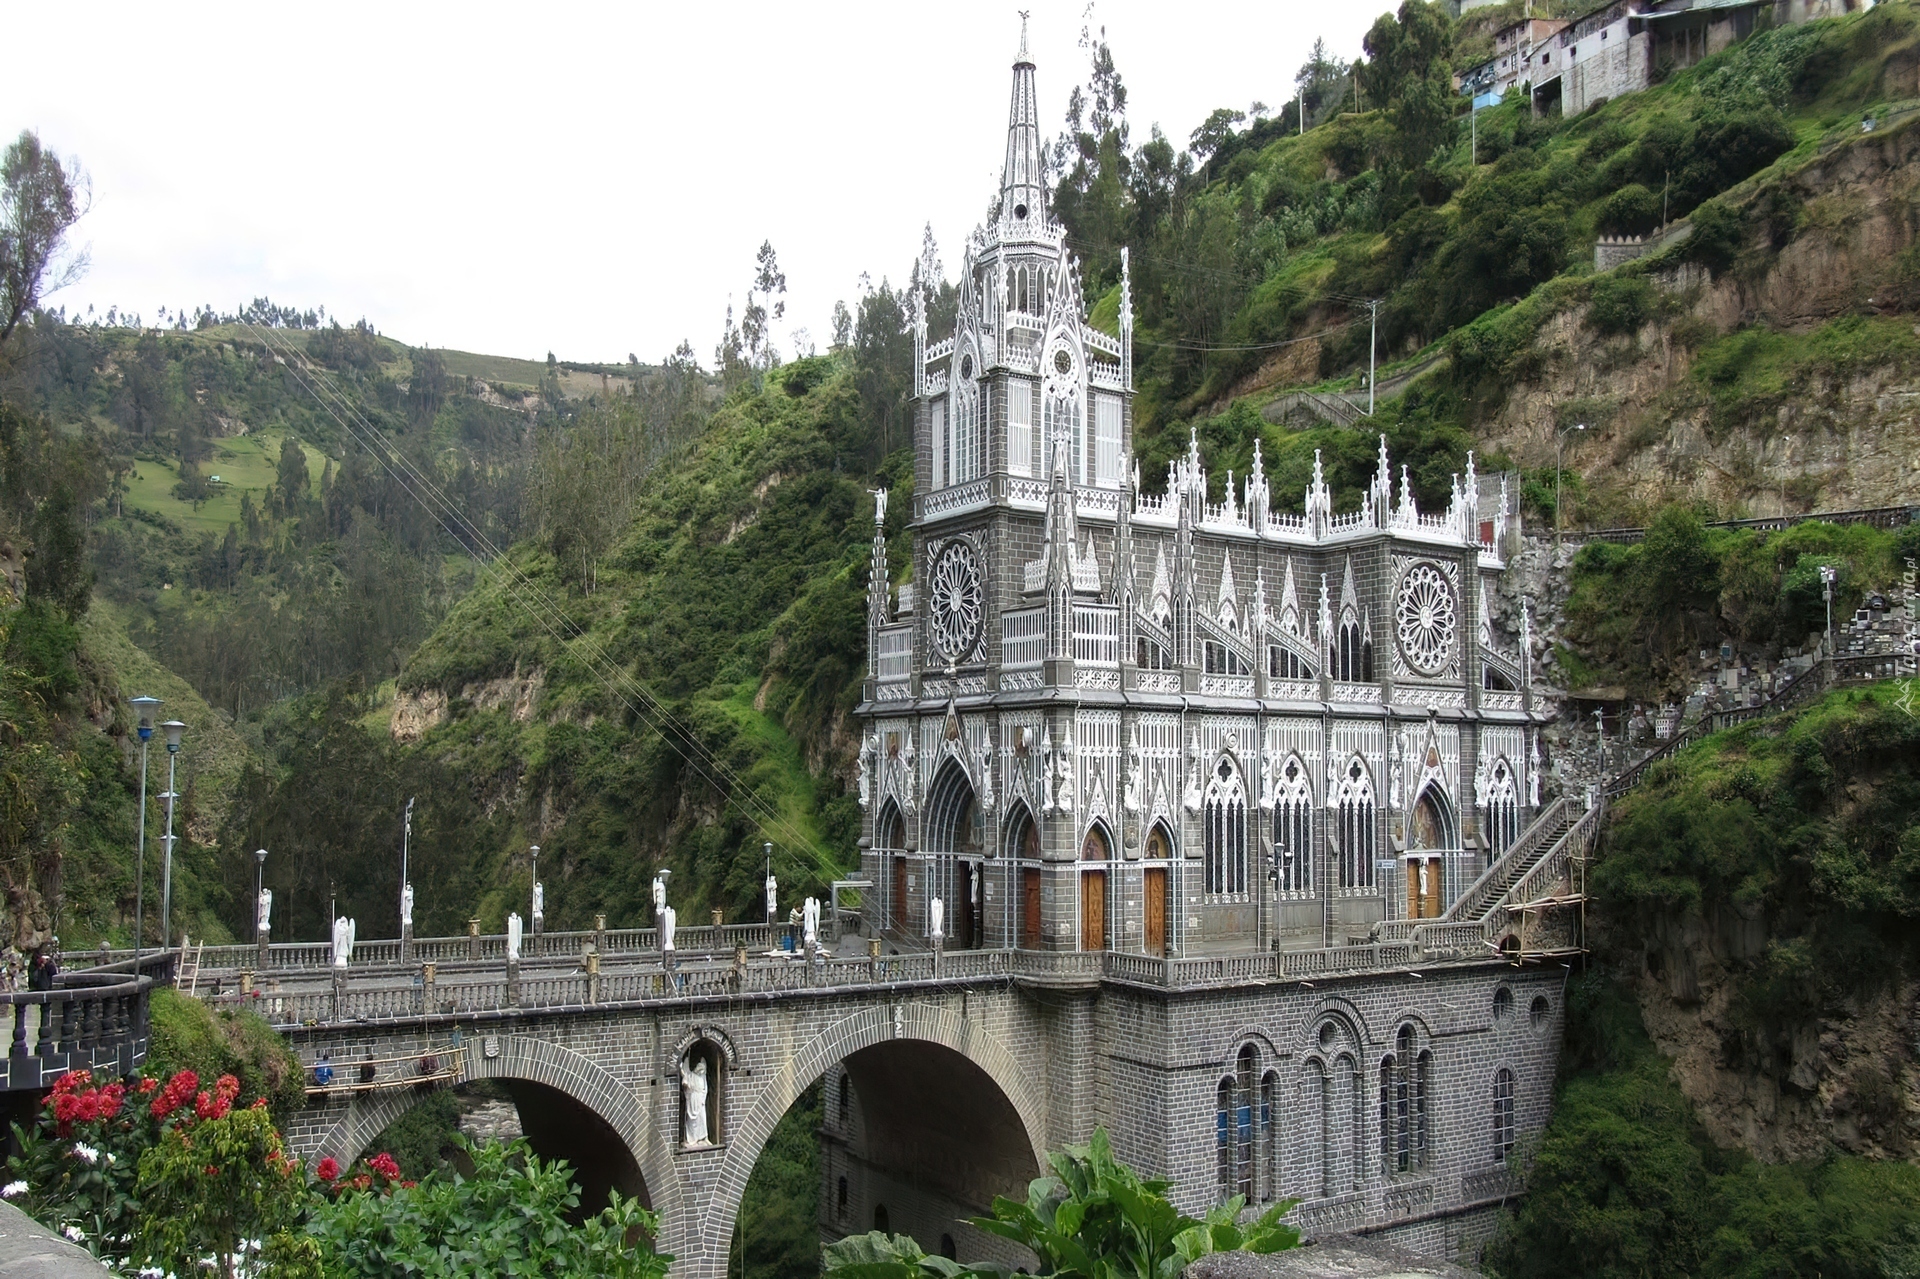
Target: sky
591	180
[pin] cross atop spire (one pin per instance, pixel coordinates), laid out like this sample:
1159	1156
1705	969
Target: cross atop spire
1023	195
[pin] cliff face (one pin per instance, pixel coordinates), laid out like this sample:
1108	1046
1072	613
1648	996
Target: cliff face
1787	378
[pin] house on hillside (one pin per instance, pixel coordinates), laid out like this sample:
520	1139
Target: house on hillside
1626	45
1512	59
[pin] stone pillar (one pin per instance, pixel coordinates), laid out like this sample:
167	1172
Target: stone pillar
473	939
246	981
513	982
406	942
261	938
599	934
593	973
427	973
719	917
339	991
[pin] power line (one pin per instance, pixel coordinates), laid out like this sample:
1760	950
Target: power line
649	710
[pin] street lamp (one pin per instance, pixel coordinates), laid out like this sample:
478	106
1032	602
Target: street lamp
1559	451
174	728
1827	575
146	706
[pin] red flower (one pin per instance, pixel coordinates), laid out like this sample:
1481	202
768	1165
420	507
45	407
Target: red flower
175	1094
212	1171
383	1163
329	1170
147	1084
408	1185
71	1080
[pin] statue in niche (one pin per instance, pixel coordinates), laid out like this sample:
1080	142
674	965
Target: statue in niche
1192	798
937	914
1396	761
1130	796
866	764
265	918
693	1101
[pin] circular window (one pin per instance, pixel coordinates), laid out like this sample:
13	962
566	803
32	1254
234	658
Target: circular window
1326	1034
1020	212
1538	1010
1426	617
1062	362
966	366
956	598
1502	1003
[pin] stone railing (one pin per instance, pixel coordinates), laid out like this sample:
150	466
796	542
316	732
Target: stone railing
1473	900
89	1021
362	1001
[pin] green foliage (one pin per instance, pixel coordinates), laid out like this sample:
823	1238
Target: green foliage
508	1217
1639	613
187	1034
778	1231
1625	1184
210	1187
1621	303
1095	1218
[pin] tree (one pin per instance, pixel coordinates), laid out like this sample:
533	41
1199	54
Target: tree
41	197
1410	73
766	302
1318	79
292	484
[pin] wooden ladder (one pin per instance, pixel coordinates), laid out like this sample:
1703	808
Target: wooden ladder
190	964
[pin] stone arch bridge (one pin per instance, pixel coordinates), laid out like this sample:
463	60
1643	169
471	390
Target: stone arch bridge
947	1076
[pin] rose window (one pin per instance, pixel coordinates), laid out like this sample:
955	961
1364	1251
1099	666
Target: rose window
955	599
1426	617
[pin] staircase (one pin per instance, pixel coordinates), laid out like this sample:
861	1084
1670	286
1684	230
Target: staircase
1464	925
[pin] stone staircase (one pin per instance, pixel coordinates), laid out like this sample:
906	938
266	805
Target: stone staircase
1465	927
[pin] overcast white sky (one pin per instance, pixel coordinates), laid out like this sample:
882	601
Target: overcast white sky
586	179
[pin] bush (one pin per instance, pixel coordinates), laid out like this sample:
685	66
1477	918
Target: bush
188	1035
1632	210
1620	303
1719	233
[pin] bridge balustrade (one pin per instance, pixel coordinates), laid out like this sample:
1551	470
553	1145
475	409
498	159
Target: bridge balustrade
89	1021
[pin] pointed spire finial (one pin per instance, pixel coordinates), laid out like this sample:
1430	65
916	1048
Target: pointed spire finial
1023	37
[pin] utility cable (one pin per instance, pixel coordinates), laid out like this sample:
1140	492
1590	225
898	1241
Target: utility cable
649	710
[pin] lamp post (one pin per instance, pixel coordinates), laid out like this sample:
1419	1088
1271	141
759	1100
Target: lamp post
1559	452
174	728
262	922
538	912
772	890
1827	575
146	706
406	884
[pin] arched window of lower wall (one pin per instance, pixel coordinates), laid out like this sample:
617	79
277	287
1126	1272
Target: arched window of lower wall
703	1091
1403	1105
880	1222
1245	1130
1502	1115
840	1203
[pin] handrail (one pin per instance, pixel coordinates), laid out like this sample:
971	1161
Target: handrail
90	1021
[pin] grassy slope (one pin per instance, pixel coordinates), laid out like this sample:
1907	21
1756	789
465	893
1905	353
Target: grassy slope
244	463
736	597
1319	181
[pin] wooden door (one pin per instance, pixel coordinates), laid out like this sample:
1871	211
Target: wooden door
1432	904
1156	907
1093	910
900	893
1030	908
1413	888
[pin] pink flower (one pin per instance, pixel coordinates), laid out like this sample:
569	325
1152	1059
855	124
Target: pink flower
329	1170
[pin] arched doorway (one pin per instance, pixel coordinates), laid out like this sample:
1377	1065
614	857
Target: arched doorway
1431	834
1096	850
954	837
1023	869
890	837
1159	857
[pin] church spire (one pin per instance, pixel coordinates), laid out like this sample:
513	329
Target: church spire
1023	194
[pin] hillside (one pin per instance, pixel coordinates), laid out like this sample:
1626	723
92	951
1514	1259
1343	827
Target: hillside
1740	1092
1750	365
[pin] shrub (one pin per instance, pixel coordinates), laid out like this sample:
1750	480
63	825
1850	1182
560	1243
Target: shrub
189	1035
1620	303
1719	233
1632	210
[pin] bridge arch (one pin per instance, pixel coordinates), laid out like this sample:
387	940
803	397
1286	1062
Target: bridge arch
524	1059
905	1023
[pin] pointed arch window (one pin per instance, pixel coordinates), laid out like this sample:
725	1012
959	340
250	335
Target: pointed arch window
1503	809
1293	828
1224	831
1284	663
1403	1105
1238	1123
1020	426
942	449
1502	1115
1269	1137
1353	656
965	450
1354	809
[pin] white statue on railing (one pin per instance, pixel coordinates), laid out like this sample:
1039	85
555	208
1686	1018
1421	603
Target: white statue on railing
539	900
406	906
264	920
693	1099
810	922
343	932
659	894
513	937
666	927
937	918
